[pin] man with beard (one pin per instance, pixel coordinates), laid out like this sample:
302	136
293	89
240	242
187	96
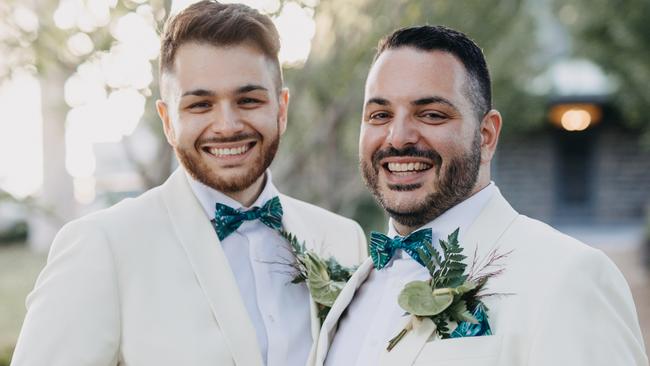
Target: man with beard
194	272
428	135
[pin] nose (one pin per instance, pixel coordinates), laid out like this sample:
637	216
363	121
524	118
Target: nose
402	132
225	120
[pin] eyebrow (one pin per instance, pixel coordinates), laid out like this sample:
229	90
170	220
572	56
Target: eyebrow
198	93
249	88
380	101
417	102
433	100
209	93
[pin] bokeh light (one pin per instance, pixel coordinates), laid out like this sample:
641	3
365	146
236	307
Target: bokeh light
21	144
295	45
80	44
576	120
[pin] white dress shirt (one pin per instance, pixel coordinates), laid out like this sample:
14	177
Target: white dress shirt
374	316
259	258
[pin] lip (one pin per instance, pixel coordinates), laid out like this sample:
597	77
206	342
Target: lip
405	178
230	159
405	159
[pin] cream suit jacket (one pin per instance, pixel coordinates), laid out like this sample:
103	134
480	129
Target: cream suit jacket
569	304
146	283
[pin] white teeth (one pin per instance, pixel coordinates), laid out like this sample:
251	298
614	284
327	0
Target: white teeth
229	152
407	167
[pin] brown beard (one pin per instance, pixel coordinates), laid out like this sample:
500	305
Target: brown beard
453	186
200	171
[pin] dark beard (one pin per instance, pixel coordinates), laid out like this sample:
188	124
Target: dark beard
453	186
202	173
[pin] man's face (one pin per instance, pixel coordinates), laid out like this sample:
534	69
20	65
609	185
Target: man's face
420	144
222	114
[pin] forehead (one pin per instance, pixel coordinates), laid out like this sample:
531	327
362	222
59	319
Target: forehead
406	74
220	69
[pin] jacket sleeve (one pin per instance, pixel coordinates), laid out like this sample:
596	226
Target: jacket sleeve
590	319
73	312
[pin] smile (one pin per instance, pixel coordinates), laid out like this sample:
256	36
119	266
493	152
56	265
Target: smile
233	151
404	168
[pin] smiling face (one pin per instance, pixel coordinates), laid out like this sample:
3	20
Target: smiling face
422	149
223	115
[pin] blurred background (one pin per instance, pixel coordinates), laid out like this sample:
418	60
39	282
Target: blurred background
79	131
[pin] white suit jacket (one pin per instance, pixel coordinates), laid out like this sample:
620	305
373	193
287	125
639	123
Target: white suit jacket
146	283
569	304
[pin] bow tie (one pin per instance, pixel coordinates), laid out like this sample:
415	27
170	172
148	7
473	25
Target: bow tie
227	219
383	247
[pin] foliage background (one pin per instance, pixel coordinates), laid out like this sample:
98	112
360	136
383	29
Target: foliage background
520	38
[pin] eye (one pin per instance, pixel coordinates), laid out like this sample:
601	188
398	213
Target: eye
432	116
379	117
199	106
248	101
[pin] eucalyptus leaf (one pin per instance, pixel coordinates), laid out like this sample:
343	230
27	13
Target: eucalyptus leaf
418	299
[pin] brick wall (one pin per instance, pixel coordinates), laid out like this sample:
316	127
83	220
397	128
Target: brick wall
623	175
526	169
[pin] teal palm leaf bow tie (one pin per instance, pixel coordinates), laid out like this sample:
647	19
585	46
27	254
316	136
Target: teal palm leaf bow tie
227	219
383	247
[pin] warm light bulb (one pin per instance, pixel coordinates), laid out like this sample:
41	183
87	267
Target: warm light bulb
576	120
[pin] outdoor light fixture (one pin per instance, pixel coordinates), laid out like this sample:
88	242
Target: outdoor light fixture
575	116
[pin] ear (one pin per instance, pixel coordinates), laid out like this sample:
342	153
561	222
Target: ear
490	129
163	112
284	110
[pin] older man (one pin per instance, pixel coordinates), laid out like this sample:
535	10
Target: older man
428	135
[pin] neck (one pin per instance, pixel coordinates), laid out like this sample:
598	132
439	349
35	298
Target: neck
248	195
404	230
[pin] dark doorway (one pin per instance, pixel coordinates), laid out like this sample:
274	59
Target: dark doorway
575	177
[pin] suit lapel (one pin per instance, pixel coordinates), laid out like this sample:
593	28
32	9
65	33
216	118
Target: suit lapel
293	223
211	268
491	223
342	301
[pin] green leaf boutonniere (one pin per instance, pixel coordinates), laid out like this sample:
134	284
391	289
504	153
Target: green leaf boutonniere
451	294
325	278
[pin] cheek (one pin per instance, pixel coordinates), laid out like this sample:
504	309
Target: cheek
264	121
371	139
190	129
447	143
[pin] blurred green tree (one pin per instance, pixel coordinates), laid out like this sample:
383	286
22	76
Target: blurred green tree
318	159
32	40
615	35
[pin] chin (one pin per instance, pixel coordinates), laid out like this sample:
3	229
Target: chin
403	202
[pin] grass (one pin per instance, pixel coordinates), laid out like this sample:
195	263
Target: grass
19	268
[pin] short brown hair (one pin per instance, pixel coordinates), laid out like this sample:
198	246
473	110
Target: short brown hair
217	24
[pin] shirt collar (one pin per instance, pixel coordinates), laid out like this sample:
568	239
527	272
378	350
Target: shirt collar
460	216
208	196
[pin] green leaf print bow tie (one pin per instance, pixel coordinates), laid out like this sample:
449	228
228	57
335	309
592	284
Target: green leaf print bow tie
383	247
227	219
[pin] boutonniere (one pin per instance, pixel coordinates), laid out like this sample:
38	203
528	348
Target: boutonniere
452	294
325	278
